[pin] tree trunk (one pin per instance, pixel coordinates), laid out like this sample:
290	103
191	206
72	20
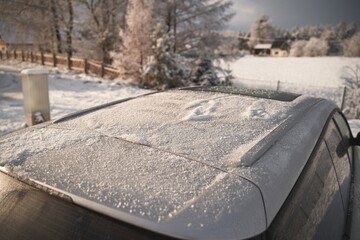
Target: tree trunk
70	27
56	26
175	29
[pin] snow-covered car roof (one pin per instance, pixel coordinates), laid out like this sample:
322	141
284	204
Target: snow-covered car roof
199	163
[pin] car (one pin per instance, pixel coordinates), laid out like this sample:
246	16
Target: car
214	162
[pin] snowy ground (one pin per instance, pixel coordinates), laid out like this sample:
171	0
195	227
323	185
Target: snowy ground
321	77
69	91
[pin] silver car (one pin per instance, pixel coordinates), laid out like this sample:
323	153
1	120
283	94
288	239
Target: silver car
192	163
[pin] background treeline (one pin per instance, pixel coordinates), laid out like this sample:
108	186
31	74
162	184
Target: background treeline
158	43
342	39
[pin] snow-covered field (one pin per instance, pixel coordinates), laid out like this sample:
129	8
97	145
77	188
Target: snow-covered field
318	72
320	77
69	91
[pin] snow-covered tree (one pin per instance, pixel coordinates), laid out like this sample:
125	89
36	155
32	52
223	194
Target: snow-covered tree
352	46
204	73
297	48
192	22
164	69
352	98
312	48
345	30
262	31
136	38
315	47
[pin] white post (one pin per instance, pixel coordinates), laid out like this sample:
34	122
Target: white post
35	88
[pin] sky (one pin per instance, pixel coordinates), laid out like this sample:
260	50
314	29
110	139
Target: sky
291	13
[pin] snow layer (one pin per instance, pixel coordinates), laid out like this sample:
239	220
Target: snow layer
321	71
151	157
35	71
207	127
136	179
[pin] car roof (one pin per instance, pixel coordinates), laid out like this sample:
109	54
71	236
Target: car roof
198	163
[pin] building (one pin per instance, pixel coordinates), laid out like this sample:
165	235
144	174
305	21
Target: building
280	48
3	46
262	49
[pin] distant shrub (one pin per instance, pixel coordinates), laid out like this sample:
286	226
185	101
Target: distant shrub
297	49
316	47
352	46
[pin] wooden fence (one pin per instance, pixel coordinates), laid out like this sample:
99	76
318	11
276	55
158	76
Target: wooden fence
48	59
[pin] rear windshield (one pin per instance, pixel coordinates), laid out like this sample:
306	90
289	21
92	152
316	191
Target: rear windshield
29	213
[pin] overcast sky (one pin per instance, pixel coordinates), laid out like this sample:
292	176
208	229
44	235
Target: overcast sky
291	13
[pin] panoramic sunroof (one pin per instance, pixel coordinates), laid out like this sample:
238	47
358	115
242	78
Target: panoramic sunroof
258	93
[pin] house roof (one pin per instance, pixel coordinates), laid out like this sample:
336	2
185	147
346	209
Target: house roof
279	44
263	46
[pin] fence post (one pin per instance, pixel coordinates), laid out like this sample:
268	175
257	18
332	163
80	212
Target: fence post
22	56
102	70
32	57
1	55
7	55
15	55
278	85
85	66
343	99
68	61
54	59
42	58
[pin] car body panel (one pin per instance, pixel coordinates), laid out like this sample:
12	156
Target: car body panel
277	171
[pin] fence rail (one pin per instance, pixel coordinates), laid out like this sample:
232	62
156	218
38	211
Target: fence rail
53	60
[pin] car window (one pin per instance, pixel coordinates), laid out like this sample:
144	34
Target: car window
345	133
339	156
314	208
29	213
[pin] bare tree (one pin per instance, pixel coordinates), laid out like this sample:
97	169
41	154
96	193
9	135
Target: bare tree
39	21
100	29
56	27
